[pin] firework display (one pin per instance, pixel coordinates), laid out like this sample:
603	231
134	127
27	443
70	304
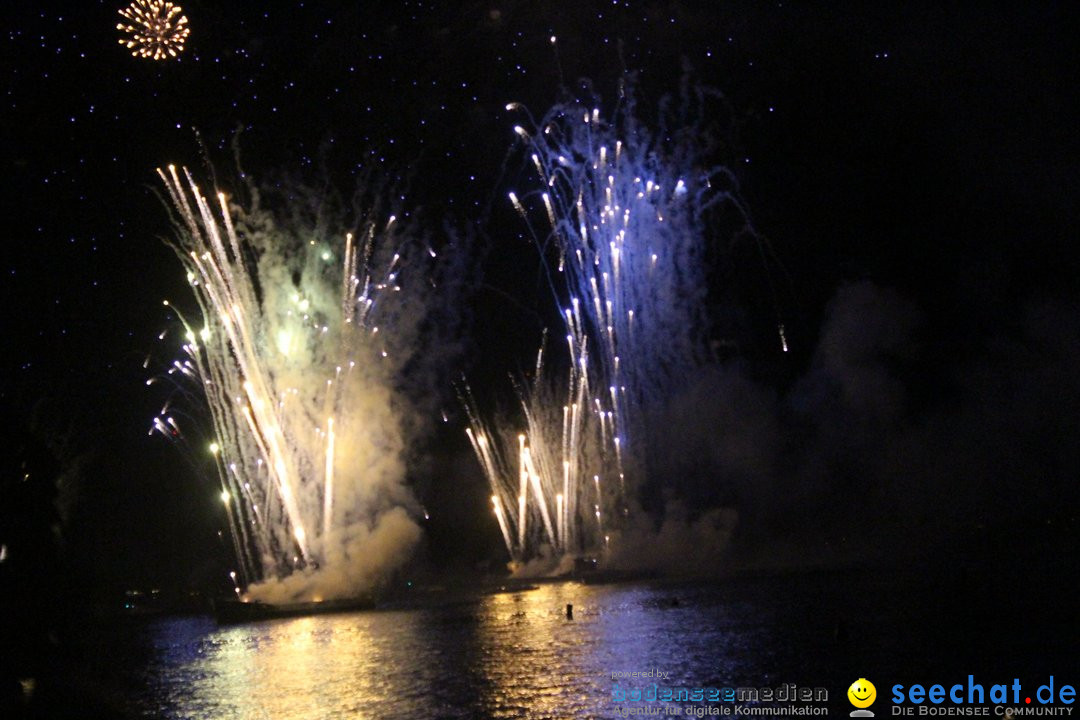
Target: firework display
154	29
624	210
295	354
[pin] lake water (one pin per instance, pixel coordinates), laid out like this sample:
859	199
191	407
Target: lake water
515	654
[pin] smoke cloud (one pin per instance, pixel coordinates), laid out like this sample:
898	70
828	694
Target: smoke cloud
883	445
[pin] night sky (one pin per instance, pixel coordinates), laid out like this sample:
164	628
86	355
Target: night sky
913	171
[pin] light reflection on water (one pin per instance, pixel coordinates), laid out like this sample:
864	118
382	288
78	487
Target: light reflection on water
501	655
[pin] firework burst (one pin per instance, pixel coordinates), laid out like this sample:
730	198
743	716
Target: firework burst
155	29
546	477
298	353
625	215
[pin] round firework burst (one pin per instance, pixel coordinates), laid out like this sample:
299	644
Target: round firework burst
155	29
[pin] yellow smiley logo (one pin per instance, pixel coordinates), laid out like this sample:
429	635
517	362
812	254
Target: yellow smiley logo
862	693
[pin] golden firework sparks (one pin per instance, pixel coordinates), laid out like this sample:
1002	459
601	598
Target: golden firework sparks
155	29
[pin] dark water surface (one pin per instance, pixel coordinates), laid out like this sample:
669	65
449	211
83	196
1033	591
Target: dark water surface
515	654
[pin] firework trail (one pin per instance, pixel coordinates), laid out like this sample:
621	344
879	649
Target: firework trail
625	212
298	354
